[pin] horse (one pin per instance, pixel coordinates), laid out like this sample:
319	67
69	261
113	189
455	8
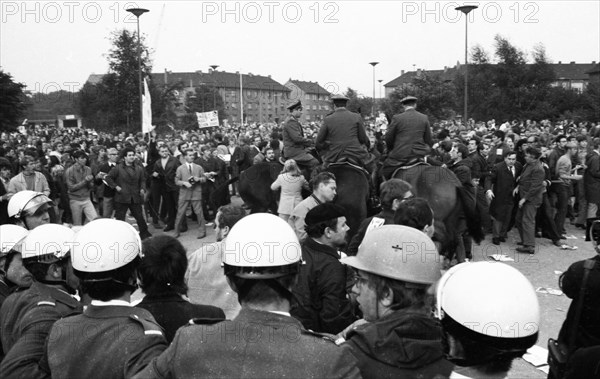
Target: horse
449	201
352	190
352	194
255	187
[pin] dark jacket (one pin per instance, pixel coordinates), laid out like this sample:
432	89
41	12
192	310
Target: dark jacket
388	218
496	154
588	332
531	183
502	183
256	344
591	178
131	179
342	134
171	312
408	136
294	142
3	204
404	344
107	192
321	290
104	342
26	319
166	175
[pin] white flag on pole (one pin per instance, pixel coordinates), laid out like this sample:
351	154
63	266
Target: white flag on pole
208	119
147	126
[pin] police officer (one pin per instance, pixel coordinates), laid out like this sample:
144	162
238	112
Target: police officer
261	259
29	209
294	142
408	137
343	135
26	317
111	339
396	265
12	272
490	315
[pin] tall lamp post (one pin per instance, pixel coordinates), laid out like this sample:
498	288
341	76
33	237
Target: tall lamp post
373	106
466	9
380	80
214	68
137	12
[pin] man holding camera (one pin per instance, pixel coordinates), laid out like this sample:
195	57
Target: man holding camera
189	176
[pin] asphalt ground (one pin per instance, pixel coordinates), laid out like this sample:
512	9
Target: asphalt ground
542	269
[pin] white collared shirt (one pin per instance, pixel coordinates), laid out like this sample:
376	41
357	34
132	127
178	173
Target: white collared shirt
99	303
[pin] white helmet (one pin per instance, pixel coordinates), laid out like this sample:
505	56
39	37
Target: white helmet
398	252
26	201
261	246
10	235
489	298
104	245
47	243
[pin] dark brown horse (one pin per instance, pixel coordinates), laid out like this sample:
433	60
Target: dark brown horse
352	194
255	187
452	208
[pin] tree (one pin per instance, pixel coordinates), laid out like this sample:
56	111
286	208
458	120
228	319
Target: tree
203	99
437	98
114	103
361	105
12	102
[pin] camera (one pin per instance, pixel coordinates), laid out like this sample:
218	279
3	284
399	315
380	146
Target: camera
191	180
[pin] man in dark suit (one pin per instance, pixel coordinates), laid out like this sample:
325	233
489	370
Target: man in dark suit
108	194
129	181
531	191
408	137
188	177
163	185
161	275
498	148
294	142
500	186
343	135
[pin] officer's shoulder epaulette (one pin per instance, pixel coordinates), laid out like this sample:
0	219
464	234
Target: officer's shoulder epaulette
148	323
204	321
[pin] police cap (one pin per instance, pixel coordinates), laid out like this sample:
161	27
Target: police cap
295	105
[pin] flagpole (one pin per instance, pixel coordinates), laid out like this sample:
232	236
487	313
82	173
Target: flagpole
241	101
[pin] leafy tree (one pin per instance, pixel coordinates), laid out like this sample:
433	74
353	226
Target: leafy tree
437	98
361	105
114	103
202	100
13	102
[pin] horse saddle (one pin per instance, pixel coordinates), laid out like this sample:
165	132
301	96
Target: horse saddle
345	161
410	164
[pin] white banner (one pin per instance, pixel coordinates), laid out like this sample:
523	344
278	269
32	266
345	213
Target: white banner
147	126
208	119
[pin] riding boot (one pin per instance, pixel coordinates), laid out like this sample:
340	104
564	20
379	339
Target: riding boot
588	227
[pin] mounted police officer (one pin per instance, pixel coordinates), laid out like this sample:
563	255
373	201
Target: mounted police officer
294	142
408	137
343	135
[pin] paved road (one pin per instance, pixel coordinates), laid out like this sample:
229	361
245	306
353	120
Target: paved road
538	268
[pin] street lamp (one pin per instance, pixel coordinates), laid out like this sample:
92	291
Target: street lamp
137	12
214	67
466	9
373	106
380	80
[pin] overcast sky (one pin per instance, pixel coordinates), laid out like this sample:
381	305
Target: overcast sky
56	45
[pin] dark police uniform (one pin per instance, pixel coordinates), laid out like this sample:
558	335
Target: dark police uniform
108	341
26	319
256	344
294	143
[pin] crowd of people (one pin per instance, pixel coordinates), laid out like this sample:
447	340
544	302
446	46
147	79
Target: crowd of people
288	295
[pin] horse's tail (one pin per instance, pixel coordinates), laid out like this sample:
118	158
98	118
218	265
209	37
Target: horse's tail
473	218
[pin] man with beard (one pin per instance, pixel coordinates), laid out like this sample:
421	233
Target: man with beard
323	304
204	276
